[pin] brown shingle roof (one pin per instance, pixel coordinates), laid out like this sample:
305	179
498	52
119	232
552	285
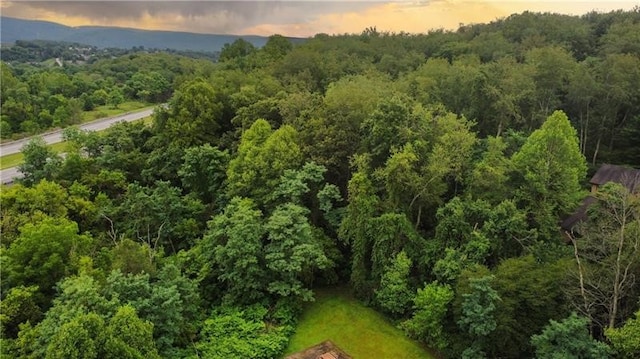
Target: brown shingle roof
579	215
628	177
324	350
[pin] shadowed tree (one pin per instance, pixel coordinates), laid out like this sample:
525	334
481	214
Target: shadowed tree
569	339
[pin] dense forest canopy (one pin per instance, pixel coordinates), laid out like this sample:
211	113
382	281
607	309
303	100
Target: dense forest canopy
429	172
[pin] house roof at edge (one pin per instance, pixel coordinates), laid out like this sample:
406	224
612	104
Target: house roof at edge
628	177
324	350
579	215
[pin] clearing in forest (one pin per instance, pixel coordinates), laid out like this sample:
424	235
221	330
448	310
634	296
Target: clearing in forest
358	330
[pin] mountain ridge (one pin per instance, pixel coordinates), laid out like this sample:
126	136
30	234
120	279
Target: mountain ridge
12	29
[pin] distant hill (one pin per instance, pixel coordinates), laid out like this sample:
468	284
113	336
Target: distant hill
12	29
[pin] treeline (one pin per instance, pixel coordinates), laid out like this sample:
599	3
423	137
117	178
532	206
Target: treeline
427	171
37	51
34	99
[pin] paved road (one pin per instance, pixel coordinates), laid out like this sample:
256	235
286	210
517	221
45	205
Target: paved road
9	174
56	136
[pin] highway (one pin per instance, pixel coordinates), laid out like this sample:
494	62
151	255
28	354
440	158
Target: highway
56	136
7	175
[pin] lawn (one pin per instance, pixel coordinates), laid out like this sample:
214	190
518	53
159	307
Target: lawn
358	330
11	160
109	111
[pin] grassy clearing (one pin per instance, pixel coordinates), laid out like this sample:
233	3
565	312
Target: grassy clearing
358	330
11	160
108	111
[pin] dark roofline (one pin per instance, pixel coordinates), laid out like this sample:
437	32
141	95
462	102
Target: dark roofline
319	349
579	215
626	176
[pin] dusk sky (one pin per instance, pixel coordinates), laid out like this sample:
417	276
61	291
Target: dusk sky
291	18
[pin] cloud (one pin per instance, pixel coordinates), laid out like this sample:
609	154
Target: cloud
291	18
195	16
413	17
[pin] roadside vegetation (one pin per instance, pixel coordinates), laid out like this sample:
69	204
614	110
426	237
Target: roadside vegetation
37	98
16	159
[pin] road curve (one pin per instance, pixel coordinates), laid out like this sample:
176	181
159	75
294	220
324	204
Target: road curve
56	136
8	175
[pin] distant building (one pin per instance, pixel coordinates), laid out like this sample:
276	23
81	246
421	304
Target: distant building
324	350
628	177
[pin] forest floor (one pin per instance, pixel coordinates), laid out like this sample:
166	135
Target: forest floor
358	330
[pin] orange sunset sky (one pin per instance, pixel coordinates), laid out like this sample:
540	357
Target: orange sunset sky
291	18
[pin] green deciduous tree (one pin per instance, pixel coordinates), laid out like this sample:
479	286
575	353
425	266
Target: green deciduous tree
232	332
394	293
234	241
626	339
617	102
332	133
163	217
531	293
44	253
116	97
263	156
277	46
194	116
132	257
149	86
203	172
478	307
128	336
552	68
390	234
40	162
430	307
355	230
81	337
19	305
22	205
170	303
477	317
568	338
238	49
292	254
435	156
552	168
476	232
386	129
78	304
295	184
608	256
489	176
